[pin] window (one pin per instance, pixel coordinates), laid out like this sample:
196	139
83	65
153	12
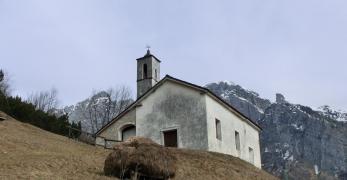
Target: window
170	138
218	130
237	142
156	75
251	155
145	74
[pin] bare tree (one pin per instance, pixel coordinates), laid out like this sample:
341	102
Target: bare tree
45	100
118	100
1	75
4	83
105	105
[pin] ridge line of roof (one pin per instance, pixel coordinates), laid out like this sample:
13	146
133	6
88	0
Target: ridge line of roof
213	94
129	107
182	81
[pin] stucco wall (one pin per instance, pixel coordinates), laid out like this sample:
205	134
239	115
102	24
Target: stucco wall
193	114
230	122
174	106
113	131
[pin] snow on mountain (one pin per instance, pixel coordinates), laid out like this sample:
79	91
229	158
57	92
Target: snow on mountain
295	138
337	115
95	111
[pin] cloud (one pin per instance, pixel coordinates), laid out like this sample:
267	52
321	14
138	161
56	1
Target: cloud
293	47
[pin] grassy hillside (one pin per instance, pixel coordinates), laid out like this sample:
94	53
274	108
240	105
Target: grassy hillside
28	152
212	166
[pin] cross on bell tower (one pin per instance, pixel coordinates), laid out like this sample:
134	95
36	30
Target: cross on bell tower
148	72
148	47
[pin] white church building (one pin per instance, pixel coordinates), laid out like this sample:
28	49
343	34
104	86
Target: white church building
176	113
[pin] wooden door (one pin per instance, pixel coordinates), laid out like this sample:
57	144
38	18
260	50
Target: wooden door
170	138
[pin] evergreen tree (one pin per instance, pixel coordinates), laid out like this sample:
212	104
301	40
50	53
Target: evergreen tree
26	112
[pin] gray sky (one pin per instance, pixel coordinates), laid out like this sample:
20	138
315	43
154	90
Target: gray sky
296	47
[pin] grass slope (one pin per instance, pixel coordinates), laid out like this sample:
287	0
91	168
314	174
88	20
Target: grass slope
28	152
197	165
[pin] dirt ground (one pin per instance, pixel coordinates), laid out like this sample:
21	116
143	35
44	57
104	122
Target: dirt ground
27	152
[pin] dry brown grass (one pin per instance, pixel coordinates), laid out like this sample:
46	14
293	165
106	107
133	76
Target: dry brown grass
197	165
189	164
27	152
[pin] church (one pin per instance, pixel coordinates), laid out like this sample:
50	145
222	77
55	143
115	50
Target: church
176	113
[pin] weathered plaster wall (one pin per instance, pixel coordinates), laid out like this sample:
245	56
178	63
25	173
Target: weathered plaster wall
114	131
230	122
144	85
152	64
193	114
174	106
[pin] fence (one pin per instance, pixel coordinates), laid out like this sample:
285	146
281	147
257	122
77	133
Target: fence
89	138
107	143
82	136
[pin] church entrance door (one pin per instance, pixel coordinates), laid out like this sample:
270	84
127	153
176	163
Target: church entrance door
128	132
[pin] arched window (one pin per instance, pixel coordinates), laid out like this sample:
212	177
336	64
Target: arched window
145	74
128	132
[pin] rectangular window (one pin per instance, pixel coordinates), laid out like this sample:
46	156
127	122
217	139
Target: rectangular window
237	142
170	138
251	155
218	130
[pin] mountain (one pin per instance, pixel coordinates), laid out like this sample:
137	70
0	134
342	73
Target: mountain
97	110
338	115
297	142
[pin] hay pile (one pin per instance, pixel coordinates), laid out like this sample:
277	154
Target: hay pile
140	157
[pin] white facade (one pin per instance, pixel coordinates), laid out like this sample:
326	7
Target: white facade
192	111
231	123
174	107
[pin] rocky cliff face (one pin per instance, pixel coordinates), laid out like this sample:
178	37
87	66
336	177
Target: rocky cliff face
296	142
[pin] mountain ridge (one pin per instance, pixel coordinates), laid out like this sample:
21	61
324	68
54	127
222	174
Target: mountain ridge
294	136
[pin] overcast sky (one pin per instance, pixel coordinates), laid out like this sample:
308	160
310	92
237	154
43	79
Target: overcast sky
295	47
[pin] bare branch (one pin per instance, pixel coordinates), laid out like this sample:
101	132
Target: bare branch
105	105
45	100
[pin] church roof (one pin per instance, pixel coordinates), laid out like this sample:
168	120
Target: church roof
194	86
148	54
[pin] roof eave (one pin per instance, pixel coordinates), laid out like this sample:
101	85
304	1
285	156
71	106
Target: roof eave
147	56
131	106
202	89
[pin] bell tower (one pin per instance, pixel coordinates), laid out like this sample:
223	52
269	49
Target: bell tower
148	72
